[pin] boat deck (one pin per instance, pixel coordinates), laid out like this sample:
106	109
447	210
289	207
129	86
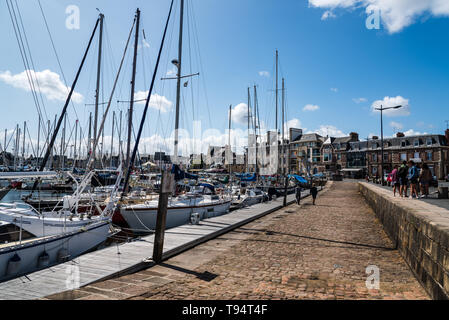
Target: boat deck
129	257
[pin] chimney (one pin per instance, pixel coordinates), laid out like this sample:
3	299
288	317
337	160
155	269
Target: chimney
354	136
446	133
400	135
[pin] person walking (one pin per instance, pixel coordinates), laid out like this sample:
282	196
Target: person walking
413	176
313	192
298	194
402	173
395	180
425	177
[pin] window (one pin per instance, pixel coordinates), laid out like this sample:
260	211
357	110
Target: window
339	156
385	156
374	145
403	143
429	156
327	157
429	141
403	157
374	170
374	157
416	143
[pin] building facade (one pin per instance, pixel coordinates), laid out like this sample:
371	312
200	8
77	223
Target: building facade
432	149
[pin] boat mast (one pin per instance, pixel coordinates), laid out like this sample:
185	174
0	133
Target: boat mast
283	130
277	93
97	90
64	110
255	128
247	153
145	110
112	137
178	85
133	85
230	149
23	146
38	139
90	135
74	149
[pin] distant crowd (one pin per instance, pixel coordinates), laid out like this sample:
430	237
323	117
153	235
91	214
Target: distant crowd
410	176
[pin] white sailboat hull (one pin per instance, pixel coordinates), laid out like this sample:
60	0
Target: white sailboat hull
59	248
143	220
48	224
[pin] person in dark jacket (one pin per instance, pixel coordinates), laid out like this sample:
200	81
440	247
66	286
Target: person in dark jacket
298	194
313	192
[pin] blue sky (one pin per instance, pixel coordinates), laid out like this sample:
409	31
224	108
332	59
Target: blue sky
331	63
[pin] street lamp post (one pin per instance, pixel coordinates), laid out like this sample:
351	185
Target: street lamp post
381	109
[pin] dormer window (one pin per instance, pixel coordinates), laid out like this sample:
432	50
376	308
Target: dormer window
416	143
429	141
403	143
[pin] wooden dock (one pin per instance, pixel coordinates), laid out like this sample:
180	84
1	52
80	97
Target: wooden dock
125	258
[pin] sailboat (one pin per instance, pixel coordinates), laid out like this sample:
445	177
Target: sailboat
58	235
201	199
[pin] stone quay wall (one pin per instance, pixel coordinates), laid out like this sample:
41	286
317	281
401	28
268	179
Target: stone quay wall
421	234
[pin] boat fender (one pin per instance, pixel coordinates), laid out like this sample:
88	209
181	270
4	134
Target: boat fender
13	265
43	260
63	255
194	218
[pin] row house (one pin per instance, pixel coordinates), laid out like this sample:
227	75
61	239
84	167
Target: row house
334	152
307	151
432	149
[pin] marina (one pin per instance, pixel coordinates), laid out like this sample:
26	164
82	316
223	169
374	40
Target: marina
228	137
129	257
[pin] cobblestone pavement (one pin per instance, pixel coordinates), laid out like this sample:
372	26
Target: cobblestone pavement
300	252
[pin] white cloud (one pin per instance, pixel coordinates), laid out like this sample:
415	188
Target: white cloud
327	15
327	130
171	72
293	123
334	89
264	74
396	125
240	114
359	100
392	102
157	102
395	14
412	132
50	84
310	107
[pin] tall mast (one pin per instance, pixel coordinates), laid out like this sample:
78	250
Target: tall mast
178	86
112	137
277	89
133	85
38	139
74	149
283	129
63	142
4	149
23	146
97	90
120	137
90	136
229	142
255	126
247	153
